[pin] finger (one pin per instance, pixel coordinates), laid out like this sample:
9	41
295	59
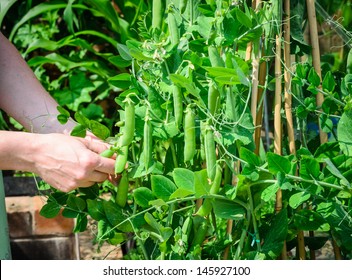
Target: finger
97	177
106	165
95	146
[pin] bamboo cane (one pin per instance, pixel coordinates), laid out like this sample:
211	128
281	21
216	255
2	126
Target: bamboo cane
259	113
288	105
314	39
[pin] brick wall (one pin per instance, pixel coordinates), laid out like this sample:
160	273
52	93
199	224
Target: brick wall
34	237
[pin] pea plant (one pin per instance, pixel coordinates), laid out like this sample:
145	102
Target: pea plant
198	179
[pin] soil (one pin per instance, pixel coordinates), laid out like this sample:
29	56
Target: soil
90	251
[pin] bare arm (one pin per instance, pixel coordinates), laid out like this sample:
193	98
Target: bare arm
23	97
63	161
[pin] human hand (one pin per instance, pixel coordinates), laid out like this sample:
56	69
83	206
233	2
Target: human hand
67	162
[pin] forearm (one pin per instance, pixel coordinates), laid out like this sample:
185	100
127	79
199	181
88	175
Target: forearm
16	151
23	97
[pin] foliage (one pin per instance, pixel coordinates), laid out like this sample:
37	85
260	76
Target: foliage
196	187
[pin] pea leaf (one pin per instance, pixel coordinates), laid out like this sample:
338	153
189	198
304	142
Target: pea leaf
76	203
344	133
329	82
184	179
50	210
228	209
142	196
277	163
308	220
95	209
313	77
117	217
298	198
275	237
162	187
201	184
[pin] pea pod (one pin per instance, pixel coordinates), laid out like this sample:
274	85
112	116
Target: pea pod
129	126
213	99
173	29
183	6
200	234
121	159
108	153
122	190
210	152
207	206
190	134
214	57
147	142
178	105
158	13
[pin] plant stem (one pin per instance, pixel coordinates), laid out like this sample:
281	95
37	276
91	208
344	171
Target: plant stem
255	226
316	57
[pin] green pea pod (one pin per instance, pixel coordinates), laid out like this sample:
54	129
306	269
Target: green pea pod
213	99
178	105
129	126
202	137
200	234
122	190
183	6
121	160
108	153
190	134
173	29
158	13
148	143
210	152
207	206
214	57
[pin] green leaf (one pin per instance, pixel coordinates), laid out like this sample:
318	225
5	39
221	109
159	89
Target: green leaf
95	209
344	133
124	52
50	210
162	187
329	82
340	222
184	179
117	217
308	220
82	120
310	169
228	209
143	196
270	192
275	237
122	81
79	131
76	203
201	183
248	156
119	62
81	223
298	198
243	18
277	163
181	193
99	130
313	77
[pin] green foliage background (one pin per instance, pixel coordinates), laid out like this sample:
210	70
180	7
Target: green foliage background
168	60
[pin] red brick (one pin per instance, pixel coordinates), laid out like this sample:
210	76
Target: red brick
25	220
19	217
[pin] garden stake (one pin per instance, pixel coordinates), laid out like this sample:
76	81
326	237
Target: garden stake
288	105
314	39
